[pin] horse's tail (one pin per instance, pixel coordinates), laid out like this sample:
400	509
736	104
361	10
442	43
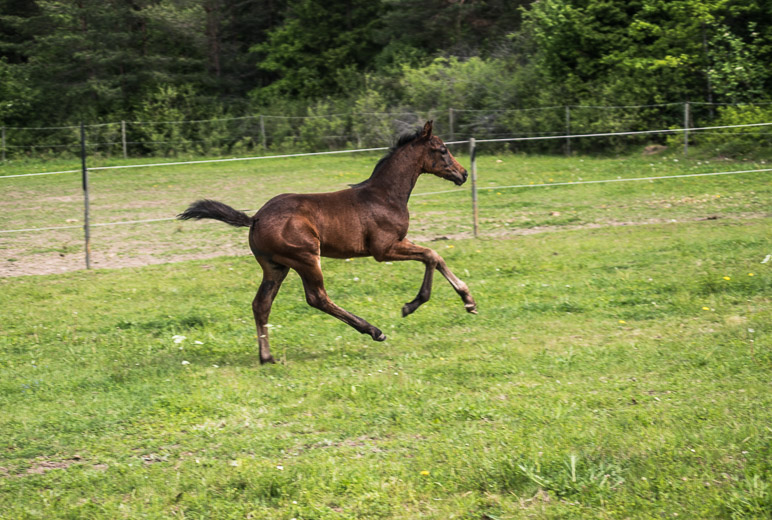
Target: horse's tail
217	210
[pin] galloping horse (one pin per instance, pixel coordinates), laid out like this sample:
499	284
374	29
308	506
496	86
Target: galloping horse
292	231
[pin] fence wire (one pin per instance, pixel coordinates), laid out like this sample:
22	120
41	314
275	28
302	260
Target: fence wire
381	148
277	134
490	140
442	192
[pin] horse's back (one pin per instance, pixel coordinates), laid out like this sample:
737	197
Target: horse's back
322	223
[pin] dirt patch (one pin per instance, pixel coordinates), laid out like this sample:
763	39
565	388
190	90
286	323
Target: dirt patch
47	465
42	466
654	149
512	231
170	242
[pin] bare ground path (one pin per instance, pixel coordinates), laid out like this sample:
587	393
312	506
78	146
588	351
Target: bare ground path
168	242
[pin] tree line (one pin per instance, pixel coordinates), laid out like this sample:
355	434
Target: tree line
63	61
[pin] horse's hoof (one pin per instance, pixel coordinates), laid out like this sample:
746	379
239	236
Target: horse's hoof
407	310
268	360
381	337
471	308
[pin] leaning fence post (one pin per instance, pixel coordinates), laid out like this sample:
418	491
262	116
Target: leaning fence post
473	174
123	139
686	128
86	229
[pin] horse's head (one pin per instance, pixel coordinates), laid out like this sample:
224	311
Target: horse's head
438	160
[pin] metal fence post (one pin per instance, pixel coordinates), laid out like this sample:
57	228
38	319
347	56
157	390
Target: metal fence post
686	128
123	139
86	229
568	130
473	175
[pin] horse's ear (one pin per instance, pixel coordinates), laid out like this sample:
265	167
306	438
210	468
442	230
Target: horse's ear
426	133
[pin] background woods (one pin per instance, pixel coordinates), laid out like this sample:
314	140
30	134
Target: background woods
156	60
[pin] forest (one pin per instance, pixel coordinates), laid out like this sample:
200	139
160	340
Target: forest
65	61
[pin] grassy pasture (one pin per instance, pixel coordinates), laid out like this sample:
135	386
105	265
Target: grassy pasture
614	371
156	193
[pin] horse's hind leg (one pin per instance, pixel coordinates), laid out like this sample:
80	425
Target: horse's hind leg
273	276
310	272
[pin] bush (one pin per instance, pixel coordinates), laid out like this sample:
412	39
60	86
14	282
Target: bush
734	142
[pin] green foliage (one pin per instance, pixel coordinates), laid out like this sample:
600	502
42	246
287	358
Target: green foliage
371	128
17	95
737	71
323	129
438	27
318	48
467	84
163	113
739	142
649	51
62	62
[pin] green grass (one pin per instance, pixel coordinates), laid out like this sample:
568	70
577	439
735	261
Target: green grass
611	373
619	367
162	192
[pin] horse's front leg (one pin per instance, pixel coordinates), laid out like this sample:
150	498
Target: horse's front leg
406	250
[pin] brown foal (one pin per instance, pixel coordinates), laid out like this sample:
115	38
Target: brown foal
292	231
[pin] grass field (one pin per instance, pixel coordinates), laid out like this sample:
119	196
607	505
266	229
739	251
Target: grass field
620	366
156	193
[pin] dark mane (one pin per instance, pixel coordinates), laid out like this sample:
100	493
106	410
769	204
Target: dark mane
402	140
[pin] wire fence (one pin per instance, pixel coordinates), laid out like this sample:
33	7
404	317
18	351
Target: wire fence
428	193
277	134
683	132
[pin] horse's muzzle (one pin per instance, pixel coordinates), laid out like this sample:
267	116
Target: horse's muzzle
462	179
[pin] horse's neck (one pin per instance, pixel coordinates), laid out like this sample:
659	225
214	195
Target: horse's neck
397	177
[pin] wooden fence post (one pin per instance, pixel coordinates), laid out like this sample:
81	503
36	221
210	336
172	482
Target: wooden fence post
473	175
86	229
123	139
686	128
568	130
262	132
